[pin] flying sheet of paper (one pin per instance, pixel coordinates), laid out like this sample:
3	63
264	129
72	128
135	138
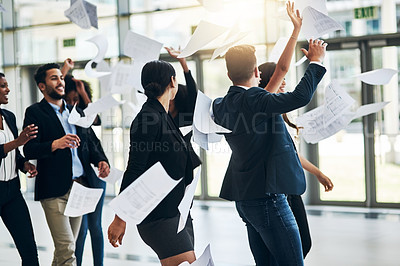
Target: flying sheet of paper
103	66
212	5
316	24
186	202
277	51
220	51
137	75
319	5
114	175
200	139
337	101
314	129
82	200
121	78
102	45
377	77
143	194
141	48
2	9
91	10
101	105
185	130
367	109
204	260
139	98
84	121
90	72
202	117
82	13
92	13
77	14
203	35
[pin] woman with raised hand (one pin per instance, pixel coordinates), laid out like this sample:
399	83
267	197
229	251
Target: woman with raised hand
13	209
154	137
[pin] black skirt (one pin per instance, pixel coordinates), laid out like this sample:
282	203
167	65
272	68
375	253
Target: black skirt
161	235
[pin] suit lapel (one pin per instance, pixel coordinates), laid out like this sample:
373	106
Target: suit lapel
10	123
46	107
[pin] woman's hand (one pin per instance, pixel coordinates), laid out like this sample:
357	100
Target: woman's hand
175	53
30	169
325	181
116	231
27	134
294	15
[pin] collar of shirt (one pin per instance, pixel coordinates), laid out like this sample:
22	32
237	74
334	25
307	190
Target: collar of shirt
57	108
244	87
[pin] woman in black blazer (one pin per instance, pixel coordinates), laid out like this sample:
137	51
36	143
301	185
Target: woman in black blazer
13	209
155	138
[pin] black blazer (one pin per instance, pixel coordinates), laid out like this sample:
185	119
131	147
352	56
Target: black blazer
54	177
155	138
264	157
9	117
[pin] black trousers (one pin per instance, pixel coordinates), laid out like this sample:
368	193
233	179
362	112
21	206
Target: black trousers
299	212
15	215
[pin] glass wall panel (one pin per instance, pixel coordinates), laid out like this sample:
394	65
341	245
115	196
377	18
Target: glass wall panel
49	44
38	12
371	21
153	5
341	156
175	27
387	138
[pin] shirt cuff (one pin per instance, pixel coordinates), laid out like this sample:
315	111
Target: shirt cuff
318	63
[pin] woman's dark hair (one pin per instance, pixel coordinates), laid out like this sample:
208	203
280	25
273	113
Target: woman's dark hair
156	76
267	69
70	85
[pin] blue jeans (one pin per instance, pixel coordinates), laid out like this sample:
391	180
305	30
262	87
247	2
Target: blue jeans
92	221
272	230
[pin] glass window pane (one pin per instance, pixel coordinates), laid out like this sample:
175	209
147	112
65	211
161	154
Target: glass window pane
387	137
49	44
152	5
37	12
341	157
175	27
370	20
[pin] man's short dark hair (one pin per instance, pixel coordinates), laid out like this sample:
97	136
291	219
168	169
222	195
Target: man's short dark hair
40	75
2	75
240	62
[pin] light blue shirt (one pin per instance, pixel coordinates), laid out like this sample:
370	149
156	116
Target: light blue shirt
77	168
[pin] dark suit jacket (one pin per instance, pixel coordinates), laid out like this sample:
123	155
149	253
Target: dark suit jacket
9	117
54	177
264	158
155	138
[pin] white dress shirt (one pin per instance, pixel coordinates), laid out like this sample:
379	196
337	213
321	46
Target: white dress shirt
8	166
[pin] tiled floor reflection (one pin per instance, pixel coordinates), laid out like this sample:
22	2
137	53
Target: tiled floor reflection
341	236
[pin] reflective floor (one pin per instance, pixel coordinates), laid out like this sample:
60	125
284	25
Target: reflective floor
341	236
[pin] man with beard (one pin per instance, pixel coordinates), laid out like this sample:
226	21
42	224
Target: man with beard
64	153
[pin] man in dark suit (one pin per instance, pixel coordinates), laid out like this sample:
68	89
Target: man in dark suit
264	165
64	153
